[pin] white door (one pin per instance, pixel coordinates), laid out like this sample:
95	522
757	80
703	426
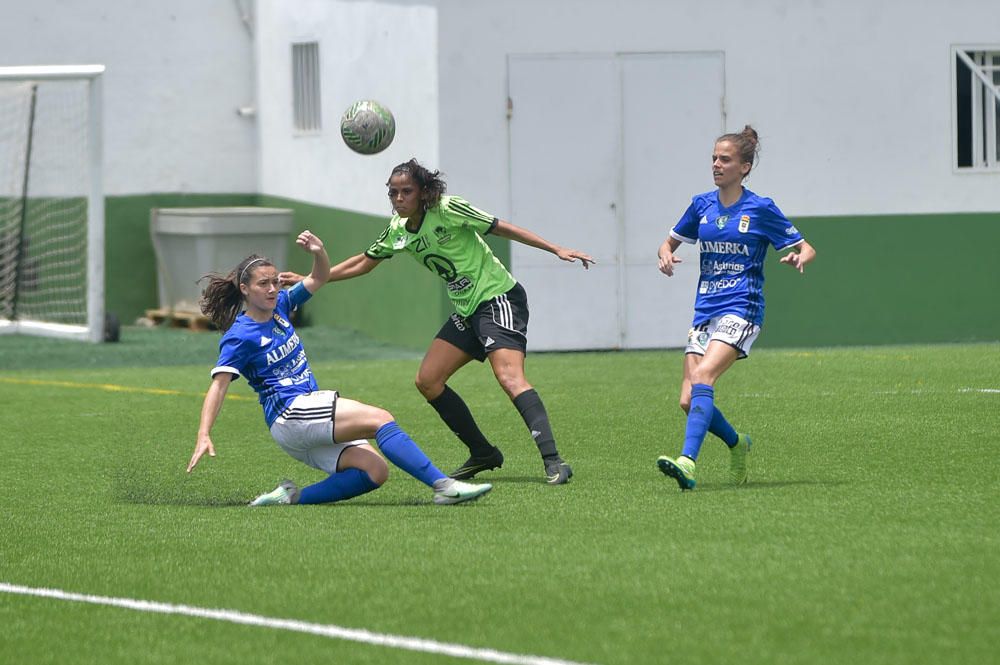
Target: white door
606	152
564	158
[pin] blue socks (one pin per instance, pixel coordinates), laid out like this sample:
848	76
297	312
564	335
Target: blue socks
700	416
402	451
339	486
721	428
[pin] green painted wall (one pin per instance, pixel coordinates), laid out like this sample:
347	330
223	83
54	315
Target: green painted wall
876	280
887	280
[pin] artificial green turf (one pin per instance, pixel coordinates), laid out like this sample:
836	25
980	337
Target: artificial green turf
868	532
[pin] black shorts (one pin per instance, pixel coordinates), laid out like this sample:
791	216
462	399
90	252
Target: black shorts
498	323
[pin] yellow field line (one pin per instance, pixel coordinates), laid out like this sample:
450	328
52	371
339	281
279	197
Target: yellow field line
114	388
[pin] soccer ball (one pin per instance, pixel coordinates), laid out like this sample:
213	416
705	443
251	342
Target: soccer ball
367	127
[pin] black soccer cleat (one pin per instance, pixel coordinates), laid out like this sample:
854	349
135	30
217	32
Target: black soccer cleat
475	465
557	472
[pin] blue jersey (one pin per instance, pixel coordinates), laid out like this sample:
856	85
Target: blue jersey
269	355
734	243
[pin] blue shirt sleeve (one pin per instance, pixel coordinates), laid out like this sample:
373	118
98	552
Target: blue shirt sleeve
293	297
686	229
780	232
231	359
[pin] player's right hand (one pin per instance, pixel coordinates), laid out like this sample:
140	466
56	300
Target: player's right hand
203	446
289	278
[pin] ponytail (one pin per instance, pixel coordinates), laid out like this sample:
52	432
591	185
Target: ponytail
221	299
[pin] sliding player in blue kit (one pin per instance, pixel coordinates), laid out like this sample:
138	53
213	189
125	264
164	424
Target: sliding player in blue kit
735	227
316	427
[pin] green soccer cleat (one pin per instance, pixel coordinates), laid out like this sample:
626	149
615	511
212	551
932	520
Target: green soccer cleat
680	469
474	465
738	460
449	491
284	494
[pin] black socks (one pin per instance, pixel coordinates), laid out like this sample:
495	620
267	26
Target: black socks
530	406
458	418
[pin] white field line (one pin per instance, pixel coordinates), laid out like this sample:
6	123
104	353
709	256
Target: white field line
323	630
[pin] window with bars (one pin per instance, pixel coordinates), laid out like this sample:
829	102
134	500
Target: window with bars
307	111
977	108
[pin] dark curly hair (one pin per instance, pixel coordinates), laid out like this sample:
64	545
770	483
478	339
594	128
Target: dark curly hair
221	299
431	184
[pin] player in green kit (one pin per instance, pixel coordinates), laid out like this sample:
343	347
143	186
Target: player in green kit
445	235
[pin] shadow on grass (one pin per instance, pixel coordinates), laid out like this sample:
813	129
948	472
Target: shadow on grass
160	498
761	485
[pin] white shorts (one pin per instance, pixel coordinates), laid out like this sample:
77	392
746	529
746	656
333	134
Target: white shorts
305	431
729	329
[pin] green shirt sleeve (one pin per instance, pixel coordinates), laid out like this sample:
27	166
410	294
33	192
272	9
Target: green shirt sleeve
460	212
382	248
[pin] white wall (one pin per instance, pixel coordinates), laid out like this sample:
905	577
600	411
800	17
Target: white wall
176	73
852	98
385	51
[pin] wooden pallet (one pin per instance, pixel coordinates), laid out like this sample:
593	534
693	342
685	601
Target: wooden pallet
180	319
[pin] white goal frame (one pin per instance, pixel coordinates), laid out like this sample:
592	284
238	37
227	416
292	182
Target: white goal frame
94	329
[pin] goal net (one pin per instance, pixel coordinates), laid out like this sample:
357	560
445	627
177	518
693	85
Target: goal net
51	202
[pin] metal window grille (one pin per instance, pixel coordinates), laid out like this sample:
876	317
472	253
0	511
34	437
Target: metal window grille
305	87
977	108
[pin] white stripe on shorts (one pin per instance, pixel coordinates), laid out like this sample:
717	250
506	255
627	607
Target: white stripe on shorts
506	313
315	413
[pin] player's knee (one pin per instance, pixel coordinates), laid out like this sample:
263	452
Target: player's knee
513	385
378	471
429	387
379	417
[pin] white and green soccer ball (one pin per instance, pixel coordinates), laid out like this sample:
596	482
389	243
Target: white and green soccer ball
367	127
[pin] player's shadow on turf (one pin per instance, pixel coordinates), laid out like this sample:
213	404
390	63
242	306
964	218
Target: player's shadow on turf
760	485
202	501
518	480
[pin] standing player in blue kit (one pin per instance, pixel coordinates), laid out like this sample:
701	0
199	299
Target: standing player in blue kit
735	227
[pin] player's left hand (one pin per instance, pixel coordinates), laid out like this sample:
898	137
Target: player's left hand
795	260
572	255
310	242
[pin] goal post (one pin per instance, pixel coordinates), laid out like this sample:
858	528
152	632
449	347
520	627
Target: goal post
52	202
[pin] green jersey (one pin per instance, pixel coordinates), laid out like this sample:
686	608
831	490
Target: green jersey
449	243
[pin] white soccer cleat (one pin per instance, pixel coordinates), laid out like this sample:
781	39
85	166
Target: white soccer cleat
284	494
449	490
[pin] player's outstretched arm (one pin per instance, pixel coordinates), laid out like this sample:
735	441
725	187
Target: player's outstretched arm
209	412
667	257
311	243
505	229
357	265
799	259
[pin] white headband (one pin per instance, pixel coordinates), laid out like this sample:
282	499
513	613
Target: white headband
247	267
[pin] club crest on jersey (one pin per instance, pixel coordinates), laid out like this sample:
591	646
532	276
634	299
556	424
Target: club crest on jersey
281	321
399	243
721	220
277	331
744	223
442	235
